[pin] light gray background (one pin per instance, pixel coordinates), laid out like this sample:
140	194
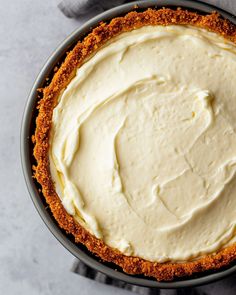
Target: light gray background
31	260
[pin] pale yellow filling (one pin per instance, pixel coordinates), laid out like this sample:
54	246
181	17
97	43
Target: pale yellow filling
143	143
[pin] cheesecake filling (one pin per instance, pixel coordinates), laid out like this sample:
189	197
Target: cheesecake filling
143	143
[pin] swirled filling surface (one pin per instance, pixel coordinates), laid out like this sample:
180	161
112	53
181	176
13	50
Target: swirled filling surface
143	143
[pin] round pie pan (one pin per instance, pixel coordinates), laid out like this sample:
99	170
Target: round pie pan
27	159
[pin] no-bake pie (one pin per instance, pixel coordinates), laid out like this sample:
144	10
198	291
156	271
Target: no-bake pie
135	142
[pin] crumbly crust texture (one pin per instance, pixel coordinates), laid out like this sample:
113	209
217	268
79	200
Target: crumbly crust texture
82	50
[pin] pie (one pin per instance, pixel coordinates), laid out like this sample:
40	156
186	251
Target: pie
135	143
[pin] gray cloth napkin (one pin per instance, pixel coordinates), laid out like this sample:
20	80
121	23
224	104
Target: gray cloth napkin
76	9
223	287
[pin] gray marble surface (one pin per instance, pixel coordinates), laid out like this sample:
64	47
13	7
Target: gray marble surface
31	260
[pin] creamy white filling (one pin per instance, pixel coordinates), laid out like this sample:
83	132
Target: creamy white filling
143	143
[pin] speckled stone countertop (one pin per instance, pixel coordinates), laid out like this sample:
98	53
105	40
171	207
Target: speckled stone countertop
31	260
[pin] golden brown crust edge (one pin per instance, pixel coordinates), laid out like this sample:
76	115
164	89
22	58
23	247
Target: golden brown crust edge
132	265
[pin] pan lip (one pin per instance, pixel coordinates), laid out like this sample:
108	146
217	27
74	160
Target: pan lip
25	138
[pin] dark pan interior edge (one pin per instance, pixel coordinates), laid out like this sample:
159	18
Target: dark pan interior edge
27	159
